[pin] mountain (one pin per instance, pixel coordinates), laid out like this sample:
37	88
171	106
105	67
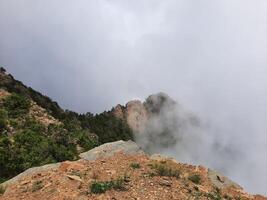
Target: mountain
47	152
34	130
121	171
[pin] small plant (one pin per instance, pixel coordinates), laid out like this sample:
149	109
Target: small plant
2	190
194	178
102	187
37	185
164	170
135	165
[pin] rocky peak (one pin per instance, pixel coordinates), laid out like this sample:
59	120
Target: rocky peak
156	102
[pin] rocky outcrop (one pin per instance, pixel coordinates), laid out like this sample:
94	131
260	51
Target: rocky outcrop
119	112
220	181
109	149
136	115
41	115
30	172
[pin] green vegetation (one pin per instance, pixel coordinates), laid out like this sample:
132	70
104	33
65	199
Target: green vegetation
195	178
26	142
165	170
37	185
16	105
107	127
3	119
135	165
102	187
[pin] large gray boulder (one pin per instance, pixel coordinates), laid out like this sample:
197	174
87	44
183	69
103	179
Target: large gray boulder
31	171
109	149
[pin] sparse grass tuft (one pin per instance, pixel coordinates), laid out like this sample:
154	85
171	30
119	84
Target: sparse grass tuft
37	185
165	170
195	178
135	165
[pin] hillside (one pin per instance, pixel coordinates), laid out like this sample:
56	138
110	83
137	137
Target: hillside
35	131
47	152
119	171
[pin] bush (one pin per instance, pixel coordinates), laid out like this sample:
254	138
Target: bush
195	178
102	187
16	105
135	165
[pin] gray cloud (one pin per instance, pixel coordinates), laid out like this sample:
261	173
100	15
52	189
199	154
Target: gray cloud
210	55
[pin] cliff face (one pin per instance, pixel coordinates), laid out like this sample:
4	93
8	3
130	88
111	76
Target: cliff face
121	171
157	123
137	113
134	113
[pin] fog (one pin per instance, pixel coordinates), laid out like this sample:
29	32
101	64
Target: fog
209	55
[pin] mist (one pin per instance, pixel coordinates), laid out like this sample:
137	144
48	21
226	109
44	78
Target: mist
208	55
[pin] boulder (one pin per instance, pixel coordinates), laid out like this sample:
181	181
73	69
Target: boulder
31	171
220	181
109	149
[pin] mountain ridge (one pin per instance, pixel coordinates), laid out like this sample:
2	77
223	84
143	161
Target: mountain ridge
35	131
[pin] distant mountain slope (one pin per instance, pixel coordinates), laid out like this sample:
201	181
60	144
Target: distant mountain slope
35	131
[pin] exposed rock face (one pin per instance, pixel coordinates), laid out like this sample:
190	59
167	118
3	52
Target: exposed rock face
157	123
109	149
41	115
136	115
118	112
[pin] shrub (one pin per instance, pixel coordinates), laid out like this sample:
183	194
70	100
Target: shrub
135	165
195	178
16	105
164	170
102	187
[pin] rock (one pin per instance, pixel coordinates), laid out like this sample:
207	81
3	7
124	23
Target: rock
221	181
74	177
165	183
31	171
109	149
136	115
118	111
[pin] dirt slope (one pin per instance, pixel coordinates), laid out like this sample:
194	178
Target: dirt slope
136	177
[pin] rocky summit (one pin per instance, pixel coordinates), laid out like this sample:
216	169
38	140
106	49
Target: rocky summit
119	171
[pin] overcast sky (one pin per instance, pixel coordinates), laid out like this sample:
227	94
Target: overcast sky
209	55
